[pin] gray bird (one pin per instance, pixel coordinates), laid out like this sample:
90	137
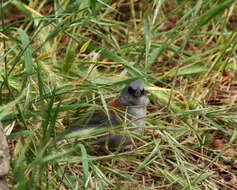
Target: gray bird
131	109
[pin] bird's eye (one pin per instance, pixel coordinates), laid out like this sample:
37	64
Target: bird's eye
131	90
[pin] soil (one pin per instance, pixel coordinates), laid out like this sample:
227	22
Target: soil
4	160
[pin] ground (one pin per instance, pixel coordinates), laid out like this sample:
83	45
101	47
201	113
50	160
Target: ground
62	60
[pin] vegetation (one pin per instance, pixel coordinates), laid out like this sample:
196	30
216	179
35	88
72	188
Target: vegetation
61	60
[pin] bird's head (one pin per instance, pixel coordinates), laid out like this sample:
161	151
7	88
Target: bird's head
134	94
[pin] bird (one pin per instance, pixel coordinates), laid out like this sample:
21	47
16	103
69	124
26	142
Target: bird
129	108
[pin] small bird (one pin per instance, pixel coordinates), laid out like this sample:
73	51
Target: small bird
130	108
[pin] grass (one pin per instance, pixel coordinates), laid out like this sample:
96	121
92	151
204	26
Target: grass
62	60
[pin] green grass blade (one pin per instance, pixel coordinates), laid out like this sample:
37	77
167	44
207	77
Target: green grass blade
28	61
210	14
85	164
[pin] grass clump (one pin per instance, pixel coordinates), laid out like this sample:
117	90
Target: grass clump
62	60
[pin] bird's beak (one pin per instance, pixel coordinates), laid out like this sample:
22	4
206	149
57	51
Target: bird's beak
138	93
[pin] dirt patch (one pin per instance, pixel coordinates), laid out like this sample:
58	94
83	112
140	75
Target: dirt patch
4	160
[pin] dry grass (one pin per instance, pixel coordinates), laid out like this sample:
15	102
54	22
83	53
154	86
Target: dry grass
61	60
